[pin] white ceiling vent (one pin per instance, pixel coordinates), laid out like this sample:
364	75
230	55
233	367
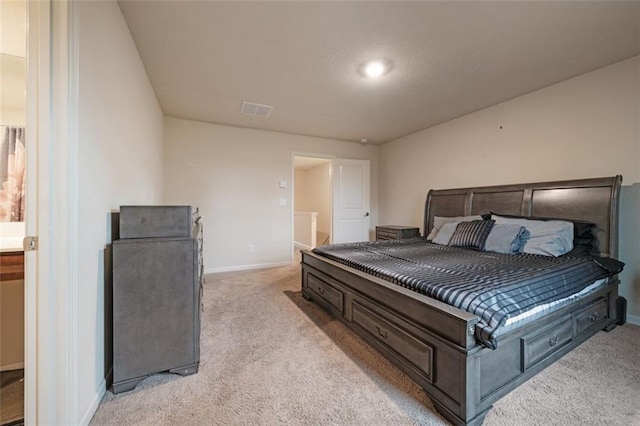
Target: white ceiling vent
257	110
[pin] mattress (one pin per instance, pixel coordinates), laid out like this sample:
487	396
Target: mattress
494	286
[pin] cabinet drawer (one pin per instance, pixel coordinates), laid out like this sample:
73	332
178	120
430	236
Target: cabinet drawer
591	315
396	232
326	293
538	346
387	235
412	350
11	266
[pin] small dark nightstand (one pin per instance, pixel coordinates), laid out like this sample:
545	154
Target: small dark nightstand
394	232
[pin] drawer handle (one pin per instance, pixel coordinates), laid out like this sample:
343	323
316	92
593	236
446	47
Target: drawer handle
381	334
594	316
320	290
553	340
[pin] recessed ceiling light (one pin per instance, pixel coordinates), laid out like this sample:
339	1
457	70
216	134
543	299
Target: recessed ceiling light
375	68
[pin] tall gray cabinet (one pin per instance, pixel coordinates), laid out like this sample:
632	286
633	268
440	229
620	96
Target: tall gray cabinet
157	278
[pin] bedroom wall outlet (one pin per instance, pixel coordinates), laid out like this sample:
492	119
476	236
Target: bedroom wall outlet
283	184
252	248
283	201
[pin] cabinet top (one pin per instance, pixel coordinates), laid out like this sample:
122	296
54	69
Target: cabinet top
396	227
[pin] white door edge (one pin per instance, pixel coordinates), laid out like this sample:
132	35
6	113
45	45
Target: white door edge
51	290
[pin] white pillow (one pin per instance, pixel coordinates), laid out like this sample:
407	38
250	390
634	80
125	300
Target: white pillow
548	237
439	221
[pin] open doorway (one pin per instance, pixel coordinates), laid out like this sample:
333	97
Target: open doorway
330	201
13	117
311	202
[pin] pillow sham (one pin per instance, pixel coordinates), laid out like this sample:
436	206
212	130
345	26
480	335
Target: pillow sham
547	237
584	240
439	221
507	238
471	235
445	234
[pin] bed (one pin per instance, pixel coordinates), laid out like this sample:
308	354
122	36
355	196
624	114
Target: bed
447	350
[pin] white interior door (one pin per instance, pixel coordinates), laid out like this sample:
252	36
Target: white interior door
350	201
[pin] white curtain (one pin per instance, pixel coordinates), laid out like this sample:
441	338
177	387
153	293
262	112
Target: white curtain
12	166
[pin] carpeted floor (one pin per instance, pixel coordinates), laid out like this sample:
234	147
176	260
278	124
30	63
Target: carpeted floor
270	357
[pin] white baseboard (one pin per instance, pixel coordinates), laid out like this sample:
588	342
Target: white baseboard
301	246
91	410
633	319
9	367
247	267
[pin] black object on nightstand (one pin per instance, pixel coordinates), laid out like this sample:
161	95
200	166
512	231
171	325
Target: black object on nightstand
394	232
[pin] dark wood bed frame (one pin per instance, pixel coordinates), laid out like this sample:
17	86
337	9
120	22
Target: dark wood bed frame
433	342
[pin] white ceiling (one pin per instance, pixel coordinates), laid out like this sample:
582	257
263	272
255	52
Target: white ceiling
450	58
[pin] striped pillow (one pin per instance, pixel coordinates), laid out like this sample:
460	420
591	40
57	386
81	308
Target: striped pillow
472	234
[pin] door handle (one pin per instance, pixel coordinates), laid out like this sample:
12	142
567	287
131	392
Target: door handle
366	214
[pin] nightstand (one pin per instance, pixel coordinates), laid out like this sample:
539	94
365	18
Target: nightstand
394	232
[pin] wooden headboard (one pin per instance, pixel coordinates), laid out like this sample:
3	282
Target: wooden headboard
592	200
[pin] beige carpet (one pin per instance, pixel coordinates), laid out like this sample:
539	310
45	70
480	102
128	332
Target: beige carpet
269	357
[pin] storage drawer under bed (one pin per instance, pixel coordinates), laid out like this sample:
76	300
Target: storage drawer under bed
538	346
591	315
542	343
414	351
327	294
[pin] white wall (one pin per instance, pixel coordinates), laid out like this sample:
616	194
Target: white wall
584	127
13	116
13	29
13	71
232	174
629	248
299	189
120	162
305	229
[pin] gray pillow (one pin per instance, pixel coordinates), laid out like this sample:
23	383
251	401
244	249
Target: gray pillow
471	234
440	221
548	237
507	238
445	234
